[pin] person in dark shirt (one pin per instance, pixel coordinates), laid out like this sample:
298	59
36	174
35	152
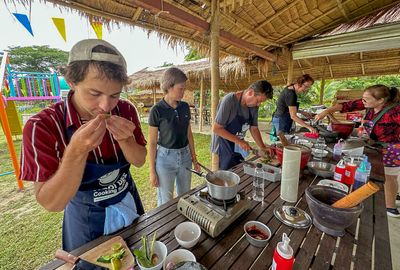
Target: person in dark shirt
382	124
171	145
287	106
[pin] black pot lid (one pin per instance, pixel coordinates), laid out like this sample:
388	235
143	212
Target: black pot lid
293	216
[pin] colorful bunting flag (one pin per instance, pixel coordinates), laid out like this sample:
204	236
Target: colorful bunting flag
60	24
98	29
23	19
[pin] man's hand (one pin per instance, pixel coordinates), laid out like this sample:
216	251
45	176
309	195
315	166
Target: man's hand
244	145
121	128
89	135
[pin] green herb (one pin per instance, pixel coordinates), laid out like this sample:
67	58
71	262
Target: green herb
107	258
145	254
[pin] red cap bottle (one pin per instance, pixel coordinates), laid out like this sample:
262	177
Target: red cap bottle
283	255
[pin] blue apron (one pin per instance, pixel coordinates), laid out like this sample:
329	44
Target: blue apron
102	185
226	149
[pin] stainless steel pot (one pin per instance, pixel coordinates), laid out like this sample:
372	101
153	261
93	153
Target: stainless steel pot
222	185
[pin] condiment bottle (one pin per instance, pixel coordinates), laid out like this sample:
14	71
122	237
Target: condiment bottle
361	176
337	150
339	171
283	255
350	172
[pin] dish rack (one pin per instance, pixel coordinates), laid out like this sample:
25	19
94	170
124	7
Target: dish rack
271	173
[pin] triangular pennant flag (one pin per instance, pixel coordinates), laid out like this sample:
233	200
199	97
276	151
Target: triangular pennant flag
60	24
98	29
23	19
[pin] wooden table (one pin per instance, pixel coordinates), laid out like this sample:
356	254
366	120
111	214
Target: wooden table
364	242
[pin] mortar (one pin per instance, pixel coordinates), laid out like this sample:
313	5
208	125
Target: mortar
328	219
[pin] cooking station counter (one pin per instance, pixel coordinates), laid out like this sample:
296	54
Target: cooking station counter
313	249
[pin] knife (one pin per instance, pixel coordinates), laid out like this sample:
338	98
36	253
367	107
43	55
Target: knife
79	264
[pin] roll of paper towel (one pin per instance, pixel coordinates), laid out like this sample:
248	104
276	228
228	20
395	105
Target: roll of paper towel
290	173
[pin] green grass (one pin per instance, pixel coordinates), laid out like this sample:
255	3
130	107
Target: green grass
29	235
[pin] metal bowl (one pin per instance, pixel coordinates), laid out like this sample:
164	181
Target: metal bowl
258	226
320	168
319	153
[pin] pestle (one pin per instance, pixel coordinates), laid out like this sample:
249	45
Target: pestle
283	139
357	196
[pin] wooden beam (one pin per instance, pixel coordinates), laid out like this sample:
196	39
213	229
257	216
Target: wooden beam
278	13
166	10
215	76
137	13
250	32
341	8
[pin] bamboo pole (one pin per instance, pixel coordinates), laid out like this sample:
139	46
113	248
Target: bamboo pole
214	59
201	104
154	96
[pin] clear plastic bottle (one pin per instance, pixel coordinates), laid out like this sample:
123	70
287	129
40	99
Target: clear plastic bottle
337	150
258	183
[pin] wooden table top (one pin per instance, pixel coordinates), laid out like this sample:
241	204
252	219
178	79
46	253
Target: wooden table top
364	241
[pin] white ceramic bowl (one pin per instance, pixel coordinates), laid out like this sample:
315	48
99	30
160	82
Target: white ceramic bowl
177	256
260	227
161	250
187	234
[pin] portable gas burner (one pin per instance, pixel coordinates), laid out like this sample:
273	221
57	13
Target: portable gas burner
212	215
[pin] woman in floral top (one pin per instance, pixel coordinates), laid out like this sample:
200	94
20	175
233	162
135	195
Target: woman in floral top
382	123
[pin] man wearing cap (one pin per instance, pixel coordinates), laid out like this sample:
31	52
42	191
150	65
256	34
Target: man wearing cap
237	113
79	151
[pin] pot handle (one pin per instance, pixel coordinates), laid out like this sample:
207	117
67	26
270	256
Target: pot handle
196	172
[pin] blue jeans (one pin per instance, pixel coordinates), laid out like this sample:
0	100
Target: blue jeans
171	167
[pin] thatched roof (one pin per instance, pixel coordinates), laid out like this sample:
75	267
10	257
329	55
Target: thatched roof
257	31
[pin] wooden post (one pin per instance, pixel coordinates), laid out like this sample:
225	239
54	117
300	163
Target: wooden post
214	59
154	96
201	104
321	91
290	68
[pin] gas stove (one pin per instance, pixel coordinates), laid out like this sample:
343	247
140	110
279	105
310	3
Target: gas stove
213	216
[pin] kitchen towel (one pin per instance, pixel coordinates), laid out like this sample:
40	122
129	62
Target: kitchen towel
290	173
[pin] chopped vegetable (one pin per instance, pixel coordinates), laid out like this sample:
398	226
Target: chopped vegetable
108	258
145	255
116	246
116	264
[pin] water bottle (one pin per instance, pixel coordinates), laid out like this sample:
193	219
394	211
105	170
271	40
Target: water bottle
258	183
367	165
283	255
337	150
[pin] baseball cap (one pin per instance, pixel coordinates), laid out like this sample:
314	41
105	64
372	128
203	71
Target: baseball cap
83	51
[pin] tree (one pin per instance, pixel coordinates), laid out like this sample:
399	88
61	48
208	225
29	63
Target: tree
192	55
37	58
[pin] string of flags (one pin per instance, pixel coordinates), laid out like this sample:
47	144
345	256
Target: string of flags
59	24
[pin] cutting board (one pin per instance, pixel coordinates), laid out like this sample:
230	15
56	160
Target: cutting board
104	249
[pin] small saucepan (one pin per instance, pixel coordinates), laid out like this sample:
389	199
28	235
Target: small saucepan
222	185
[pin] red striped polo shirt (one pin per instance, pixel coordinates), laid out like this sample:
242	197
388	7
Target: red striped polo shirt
44	139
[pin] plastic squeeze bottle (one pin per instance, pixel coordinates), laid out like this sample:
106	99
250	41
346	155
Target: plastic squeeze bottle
361	176
339	171
283	255
337	150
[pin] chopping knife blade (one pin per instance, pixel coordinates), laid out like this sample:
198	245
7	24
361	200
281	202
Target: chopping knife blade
79	264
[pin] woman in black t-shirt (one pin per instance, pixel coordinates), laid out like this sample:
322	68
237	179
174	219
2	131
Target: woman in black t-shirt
287	106
171	145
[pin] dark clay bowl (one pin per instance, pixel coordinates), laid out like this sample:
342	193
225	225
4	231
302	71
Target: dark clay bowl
330	220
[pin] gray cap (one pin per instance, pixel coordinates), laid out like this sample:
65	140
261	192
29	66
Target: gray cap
83	51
